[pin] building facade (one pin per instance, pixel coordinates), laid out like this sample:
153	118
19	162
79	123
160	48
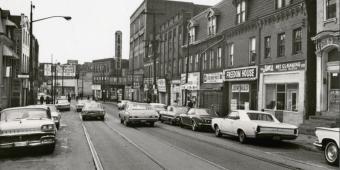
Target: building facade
327	42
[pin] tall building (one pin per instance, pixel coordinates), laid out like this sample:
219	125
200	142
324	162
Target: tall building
144	25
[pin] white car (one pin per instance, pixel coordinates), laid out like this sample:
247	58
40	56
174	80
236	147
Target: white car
55	115
80	104
158	107
328	141
138	113
122	103
253	124
30	126
63	104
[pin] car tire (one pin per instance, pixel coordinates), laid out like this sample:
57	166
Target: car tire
103	118
217	131
121	121
331	153
126	123
152	124
194	126
49	148
83	117
242	138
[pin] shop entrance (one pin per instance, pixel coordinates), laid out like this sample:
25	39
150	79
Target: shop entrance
240	98
334	92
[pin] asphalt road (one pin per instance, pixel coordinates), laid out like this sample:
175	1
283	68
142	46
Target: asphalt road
110	145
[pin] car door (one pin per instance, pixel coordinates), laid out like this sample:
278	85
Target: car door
227	123
186	118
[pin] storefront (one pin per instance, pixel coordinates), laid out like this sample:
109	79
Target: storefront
241	84
190	89
328	73
281	90
162	95
175	91
211	92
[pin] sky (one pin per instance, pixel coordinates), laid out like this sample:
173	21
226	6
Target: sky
90	33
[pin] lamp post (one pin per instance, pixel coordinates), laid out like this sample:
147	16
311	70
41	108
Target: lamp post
31	78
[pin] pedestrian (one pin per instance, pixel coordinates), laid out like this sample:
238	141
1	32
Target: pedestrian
41	99
69	98
88	97
47	100
190	104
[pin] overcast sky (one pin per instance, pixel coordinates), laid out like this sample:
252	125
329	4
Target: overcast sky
90	33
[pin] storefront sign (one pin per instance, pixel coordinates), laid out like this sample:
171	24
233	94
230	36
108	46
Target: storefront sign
96	87
161	85
23	76
243	88
47	69
193	81
213	77
283	67
240	74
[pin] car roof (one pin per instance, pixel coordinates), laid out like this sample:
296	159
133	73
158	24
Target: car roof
161	104
25	107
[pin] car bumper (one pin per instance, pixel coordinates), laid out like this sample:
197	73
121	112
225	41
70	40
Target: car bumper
93	115
318	145
276	136
63	107
142	120
45	140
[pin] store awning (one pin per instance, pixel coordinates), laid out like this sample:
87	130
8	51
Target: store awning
212	86
8	52
10	23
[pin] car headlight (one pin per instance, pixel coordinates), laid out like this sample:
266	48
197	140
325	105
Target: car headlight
47	128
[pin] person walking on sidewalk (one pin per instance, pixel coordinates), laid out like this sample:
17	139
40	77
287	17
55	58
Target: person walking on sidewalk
41	99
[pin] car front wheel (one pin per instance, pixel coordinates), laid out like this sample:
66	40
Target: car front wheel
217	131
126	123
242	137
332	153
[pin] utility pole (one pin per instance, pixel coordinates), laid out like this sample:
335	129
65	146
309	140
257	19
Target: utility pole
30	96
52	90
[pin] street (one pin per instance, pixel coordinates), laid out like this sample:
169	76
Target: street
160	147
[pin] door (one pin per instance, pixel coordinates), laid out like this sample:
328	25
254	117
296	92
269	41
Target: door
292	99
185	117
334	92
227	123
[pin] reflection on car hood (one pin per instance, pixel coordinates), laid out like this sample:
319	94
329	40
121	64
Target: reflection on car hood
273	124
24	125
143	113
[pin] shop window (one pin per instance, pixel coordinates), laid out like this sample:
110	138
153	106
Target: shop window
330	9
196	62
281	44
297	41
240	96
211	57
205	63
267	47
282	97
212	25
231	54
219	57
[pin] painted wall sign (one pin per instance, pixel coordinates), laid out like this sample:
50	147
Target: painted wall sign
283	67
213	77
193	81
161	85
240	74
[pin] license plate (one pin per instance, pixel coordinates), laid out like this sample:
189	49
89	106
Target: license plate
276	138
20	144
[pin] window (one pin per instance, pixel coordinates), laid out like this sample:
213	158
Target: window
297	40
212	25
282	3
185	64
196	62
267	47
330	9
205	63
240	11
281	45
282	96
231	54
192	35
175	67
252	50
180	66
212	58
219	57
191	63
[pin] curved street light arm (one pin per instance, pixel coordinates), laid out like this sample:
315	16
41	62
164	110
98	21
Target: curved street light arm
65	17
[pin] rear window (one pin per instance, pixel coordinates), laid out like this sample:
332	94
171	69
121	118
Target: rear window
93	106
24	113
260	116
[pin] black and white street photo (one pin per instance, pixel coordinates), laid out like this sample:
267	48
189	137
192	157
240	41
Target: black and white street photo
169	84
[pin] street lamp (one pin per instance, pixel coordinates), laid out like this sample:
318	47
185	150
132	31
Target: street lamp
31	96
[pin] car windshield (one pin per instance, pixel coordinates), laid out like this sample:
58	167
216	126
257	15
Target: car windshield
24	113
260	116
206	112
93	106
137	106
62	101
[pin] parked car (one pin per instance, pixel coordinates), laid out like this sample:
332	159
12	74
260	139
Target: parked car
80	104
122	103
328	141
158	107
171	114
197	118
56	116
138	113
93	110
253	124
63	104
30	126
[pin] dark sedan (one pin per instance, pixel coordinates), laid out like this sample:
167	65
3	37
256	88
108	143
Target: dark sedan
197	118
93	110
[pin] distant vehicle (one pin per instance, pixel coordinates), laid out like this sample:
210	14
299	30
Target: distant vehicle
197	118
253	124
328	141
158	107
172	114
62	98
122	103
93	110
80	104
55	115
63	104
138	113
30	126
